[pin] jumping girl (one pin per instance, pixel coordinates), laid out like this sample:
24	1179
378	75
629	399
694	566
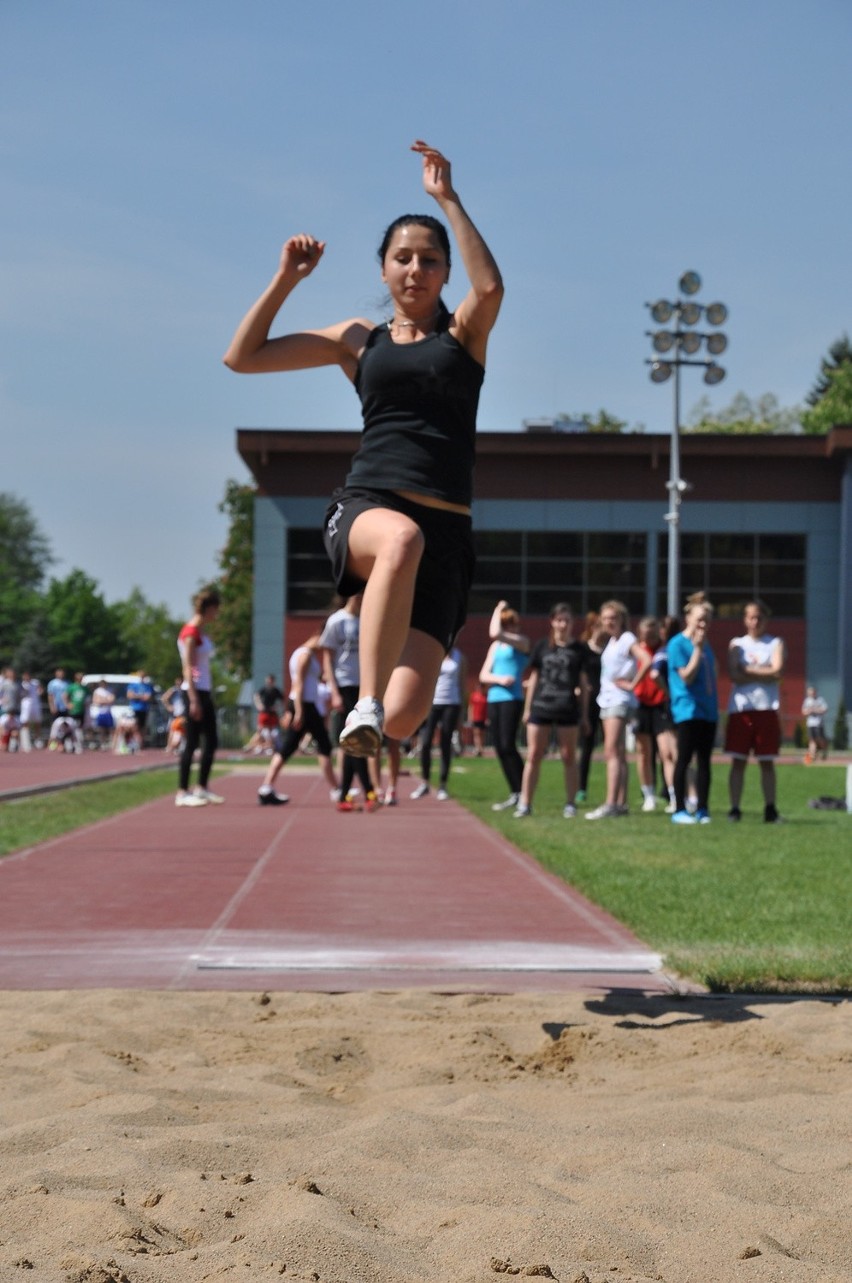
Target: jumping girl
400	527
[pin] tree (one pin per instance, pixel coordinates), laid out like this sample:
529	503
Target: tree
744	416
84	632
835	405
840	353
232	630
148	635
25	558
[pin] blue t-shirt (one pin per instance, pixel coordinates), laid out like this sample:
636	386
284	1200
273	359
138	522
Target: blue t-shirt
698	699
508	662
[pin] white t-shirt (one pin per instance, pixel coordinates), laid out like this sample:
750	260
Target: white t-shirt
340	636
617	664
447	688
756	696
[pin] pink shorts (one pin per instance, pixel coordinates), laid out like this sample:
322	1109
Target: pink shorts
754	732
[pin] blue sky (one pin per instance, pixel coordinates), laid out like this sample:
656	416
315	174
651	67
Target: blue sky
156	155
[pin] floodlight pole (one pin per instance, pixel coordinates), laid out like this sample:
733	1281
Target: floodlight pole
676	487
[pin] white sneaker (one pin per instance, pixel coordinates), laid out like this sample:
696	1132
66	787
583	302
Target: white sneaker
521	811
650	804
509	805
190	799
442	795
671	808
207	796
420	791
362	734
604	812
569	812
389	798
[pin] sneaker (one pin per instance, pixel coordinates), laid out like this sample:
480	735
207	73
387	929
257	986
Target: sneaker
702	816
569	812
649	804
335	795
389	798
348	803
684	817
521	811
442	795
362	734
271	798
420	791
771	816
190	799
692	805
215	798
671	808
605	812
509	805
735	814
622	809
579	797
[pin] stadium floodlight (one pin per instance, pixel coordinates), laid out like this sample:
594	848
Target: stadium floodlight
686	343
661	311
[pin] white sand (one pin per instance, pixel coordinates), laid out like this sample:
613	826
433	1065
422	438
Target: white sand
388	1138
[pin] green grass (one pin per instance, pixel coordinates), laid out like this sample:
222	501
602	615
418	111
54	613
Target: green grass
27	821
747	907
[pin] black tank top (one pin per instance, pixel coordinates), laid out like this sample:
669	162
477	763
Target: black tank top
419	403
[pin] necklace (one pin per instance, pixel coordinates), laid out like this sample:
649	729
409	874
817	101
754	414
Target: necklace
413	325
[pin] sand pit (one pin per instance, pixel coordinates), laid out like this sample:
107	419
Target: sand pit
408	1137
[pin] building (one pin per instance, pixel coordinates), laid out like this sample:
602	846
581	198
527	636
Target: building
580	517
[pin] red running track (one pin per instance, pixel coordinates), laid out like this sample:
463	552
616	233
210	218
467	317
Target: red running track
302	898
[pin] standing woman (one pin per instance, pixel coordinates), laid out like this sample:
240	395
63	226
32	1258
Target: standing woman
196	650
445	713
505	664
593	639
694	705
556	673
654	734
623	665
400	529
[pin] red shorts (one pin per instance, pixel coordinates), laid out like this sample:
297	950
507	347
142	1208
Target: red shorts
267	721
755	732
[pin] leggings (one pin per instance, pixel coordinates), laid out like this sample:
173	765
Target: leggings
693	737
505	716
447	717
202	728
352	766
587	742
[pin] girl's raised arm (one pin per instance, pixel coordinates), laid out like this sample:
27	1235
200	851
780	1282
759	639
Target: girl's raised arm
475	316
252	351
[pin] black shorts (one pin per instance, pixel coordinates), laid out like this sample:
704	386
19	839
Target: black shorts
446	568
653	719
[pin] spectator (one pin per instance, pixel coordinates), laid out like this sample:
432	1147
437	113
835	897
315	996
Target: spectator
196	651
756	665
552	706
140	696
31	713
814	710
505	664
57	689
623	665
694	705
593	639
444	714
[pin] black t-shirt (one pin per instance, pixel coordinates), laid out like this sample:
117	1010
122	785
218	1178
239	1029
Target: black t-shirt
558	669
269	696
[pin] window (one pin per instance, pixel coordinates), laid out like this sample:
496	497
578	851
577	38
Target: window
309	583
533	569
732	568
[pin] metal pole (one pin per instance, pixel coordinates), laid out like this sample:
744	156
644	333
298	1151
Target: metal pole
674	488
